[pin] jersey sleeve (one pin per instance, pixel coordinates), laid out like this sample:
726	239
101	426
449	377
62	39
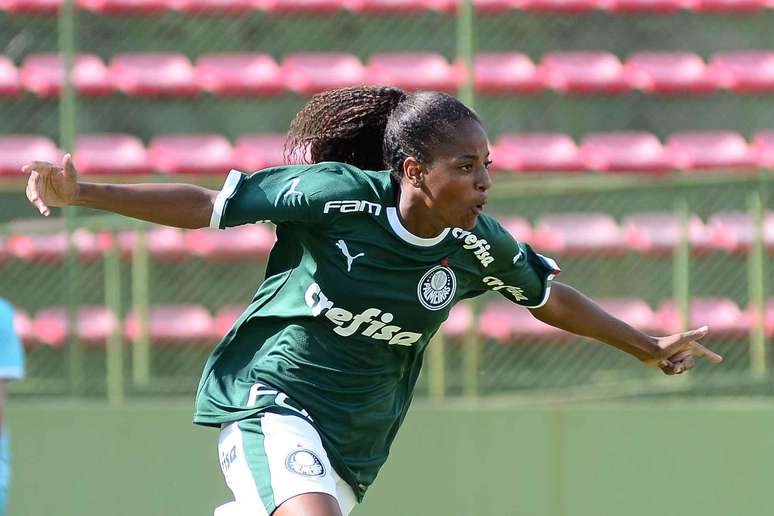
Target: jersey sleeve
293	193
518	273
11	354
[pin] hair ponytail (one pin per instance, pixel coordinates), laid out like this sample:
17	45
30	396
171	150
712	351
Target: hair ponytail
345	125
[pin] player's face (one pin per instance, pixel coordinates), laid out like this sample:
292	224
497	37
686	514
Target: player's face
458	178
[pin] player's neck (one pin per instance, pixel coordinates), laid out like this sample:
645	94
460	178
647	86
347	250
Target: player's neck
416	217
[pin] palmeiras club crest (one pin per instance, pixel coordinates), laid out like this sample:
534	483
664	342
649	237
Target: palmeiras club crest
305	462
436	288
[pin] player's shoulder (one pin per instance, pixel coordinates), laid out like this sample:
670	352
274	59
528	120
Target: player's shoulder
335	180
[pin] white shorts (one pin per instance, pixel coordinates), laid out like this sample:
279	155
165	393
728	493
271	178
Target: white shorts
272	458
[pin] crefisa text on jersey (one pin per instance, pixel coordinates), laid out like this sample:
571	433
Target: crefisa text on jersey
471	241
377	329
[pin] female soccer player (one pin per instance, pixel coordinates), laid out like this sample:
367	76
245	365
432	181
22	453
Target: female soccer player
312	382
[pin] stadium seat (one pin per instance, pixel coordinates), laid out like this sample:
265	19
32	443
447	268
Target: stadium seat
640	6
578	233
190	154
22	324
536	152
768	316
734	231
735	6
564	6
668	72
164	244
635	312
30	6
225	319
95	325
583	72
9	78
763	149
745	72
124	6
43	74
623	152
459	322
258	151
309	73
519	228
414	71
505	73
153	74
493	6
399	6
505	321
299	6
239	74
174	324
211	6
661	232
110	154
251	242
52	248
17	150
722	315
707	150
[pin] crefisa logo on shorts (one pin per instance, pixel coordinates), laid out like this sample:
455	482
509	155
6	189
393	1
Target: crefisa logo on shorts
304	462
436	288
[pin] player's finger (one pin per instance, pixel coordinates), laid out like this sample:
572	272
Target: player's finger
68	167
41	167
33	195
701	351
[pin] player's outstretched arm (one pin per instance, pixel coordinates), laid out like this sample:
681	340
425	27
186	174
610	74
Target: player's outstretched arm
177	205
571	311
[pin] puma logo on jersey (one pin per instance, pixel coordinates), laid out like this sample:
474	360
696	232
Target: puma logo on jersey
366	322
290	191
479	246
342	245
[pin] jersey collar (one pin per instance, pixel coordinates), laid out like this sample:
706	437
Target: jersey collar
405	235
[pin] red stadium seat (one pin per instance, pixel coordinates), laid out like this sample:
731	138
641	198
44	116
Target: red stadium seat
736	6
494	6
190	154
635	312
768	321
53	248
398	6
22	324
668	72
734	231
9	78
309	73
153	74
763	149
124	6
414	71
257	151
578	233
623	152
661	232
565	6
583	72
17	150
505	73
225	319
519	228
110	154
459	322
95	325
250	242
239	74
638	6
746	72
43	74
536	152
505	321
174	324
30	6
164	244
722	315
299	6
707	150
211	6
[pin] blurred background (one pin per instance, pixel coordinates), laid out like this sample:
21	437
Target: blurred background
633	141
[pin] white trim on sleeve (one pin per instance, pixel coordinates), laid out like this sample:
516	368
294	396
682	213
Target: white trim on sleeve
229	186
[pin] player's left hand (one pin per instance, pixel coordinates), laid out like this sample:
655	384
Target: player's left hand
677	352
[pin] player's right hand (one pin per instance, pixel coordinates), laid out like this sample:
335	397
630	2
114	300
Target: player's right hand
50	185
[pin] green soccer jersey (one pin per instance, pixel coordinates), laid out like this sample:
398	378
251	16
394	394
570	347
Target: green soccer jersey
349	303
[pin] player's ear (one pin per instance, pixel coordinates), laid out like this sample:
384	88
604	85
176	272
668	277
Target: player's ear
414	171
